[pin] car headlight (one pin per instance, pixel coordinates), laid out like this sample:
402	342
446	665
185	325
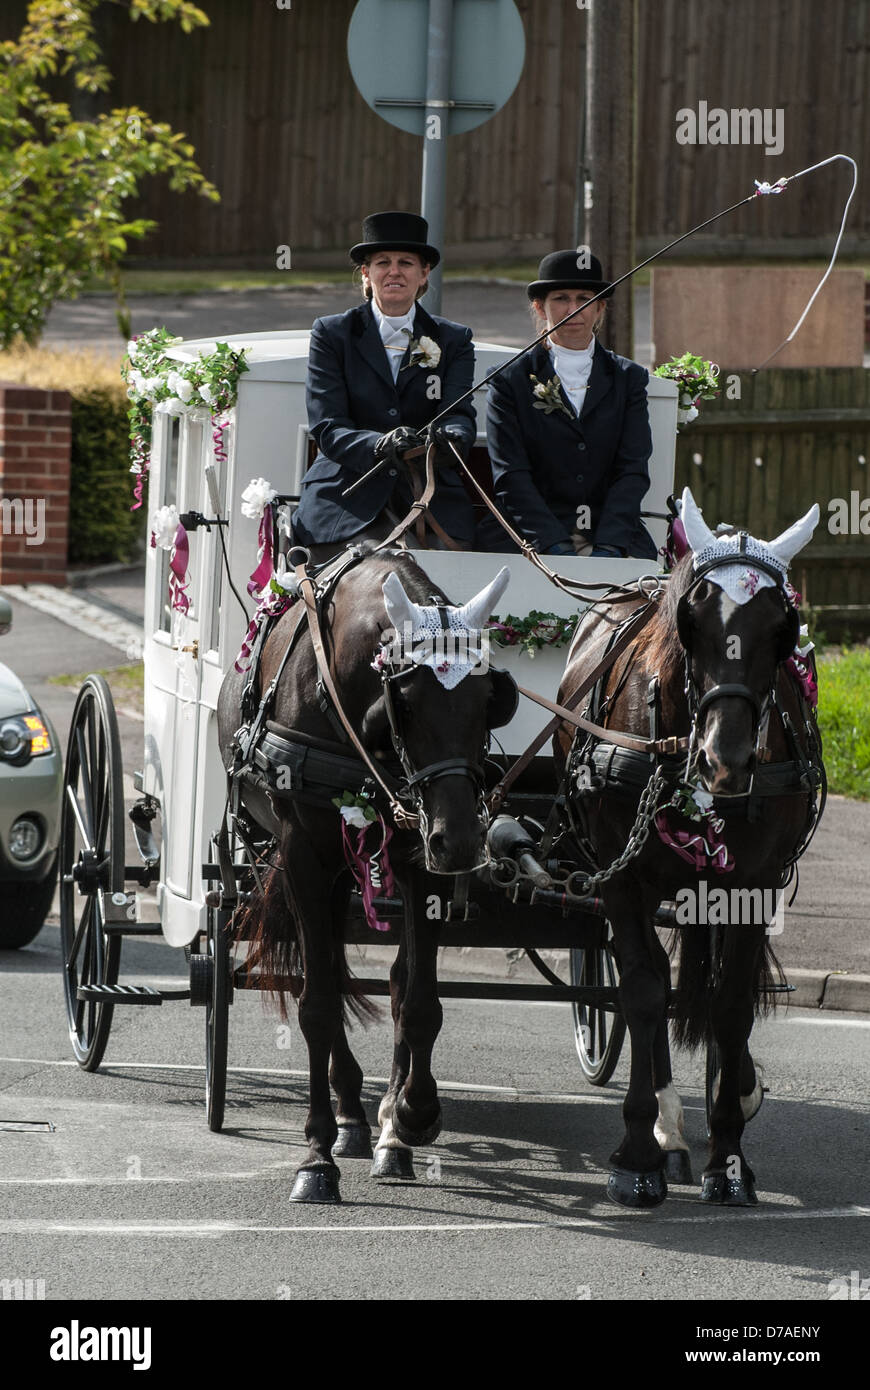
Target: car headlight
23	737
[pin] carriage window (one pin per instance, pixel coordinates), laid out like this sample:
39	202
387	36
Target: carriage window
215	590
190	485
167	429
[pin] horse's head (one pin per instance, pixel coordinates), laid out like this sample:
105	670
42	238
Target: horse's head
439	698
736	621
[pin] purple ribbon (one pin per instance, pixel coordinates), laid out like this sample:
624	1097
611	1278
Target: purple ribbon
265	562
371	881
137	488
178	562
692	846
805	679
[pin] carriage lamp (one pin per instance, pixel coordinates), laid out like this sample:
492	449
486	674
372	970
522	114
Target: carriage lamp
25	838
23	738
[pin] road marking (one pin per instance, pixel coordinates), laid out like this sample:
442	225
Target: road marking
233	1228
832	1022
289	1073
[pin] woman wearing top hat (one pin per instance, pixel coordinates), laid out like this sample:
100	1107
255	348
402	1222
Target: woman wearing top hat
568	427
377	375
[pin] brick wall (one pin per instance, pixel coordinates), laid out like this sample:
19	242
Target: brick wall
34	484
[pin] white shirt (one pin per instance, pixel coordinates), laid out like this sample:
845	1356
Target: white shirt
396	334
573	368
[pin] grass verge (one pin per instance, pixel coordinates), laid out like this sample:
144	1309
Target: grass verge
127	684
844	719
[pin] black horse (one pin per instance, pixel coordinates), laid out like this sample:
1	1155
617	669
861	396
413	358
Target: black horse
412	715
722	687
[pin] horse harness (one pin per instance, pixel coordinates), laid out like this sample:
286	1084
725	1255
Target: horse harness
618	763
285	762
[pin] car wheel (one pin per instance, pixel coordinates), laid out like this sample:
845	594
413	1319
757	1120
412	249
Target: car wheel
23	909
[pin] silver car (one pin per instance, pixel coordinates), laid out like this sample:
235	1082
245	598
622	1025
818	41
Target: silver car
31	782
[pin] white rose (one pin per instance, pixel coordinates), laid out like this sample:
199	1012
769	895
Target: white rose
131	349
184	389
703	800
172	406
164	526
206	394
355	815
432	351
540	390
256	497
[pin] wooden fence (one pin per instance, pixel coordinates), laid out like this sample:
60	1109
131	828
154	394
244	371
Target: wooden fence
794	437
267	97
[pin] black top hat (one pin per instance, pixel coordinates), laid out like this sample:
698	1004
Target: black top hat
561	270
395	231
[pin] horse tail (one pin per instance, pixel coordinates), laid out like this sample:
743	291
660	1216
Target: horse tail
691	1022
269	923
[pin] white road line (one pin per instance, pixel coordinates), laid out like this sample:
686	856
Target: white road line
288	1073
832	1022
234	1228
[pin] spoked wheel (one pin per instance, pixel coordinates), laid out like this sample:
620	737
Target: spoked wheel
91	864
598	1033
217	1011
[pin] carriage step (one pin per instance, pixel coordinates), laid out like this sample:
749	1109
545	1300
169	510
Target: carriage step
128	994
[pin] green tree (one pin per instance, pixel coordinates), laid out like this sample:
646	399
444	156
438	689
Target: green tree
64	182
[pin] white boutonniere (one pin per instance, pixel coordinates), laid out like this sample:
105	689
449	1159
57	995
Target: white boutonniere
548	396
425	352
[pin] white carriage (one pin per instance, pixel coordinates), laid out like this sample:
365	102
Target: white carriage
182	780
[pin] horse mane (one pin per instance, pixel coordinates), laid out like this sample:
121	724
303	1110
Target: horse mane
416	583
658	644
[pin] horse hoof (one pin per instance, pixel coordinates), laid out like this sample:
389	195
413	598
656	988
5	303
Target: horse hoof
393	1163
403	1116
629	1189
354	1140
729	1192
677	1166
316	1185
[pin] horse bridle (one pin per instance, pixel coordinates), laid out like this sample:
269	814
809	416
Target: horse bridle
448	767
699	704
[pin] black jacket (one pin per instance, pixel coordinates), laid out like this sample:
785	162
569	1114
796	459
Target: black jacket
352	400
546	465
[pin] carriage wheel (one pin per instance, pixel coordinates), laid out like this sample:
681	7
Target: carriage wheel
217	1010
91	863
598	1033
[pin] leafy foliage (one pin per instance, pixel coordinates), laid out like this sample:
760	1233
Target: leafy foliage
64	182
696	378
844	719
101	526
533	632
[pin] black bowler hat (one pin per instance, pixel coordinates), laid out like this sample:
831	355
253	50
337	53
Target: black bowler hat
395	231
560	271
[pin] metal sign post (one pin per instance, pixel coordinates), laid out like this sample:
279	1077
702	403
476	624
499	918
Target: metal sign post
433	193
459	62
